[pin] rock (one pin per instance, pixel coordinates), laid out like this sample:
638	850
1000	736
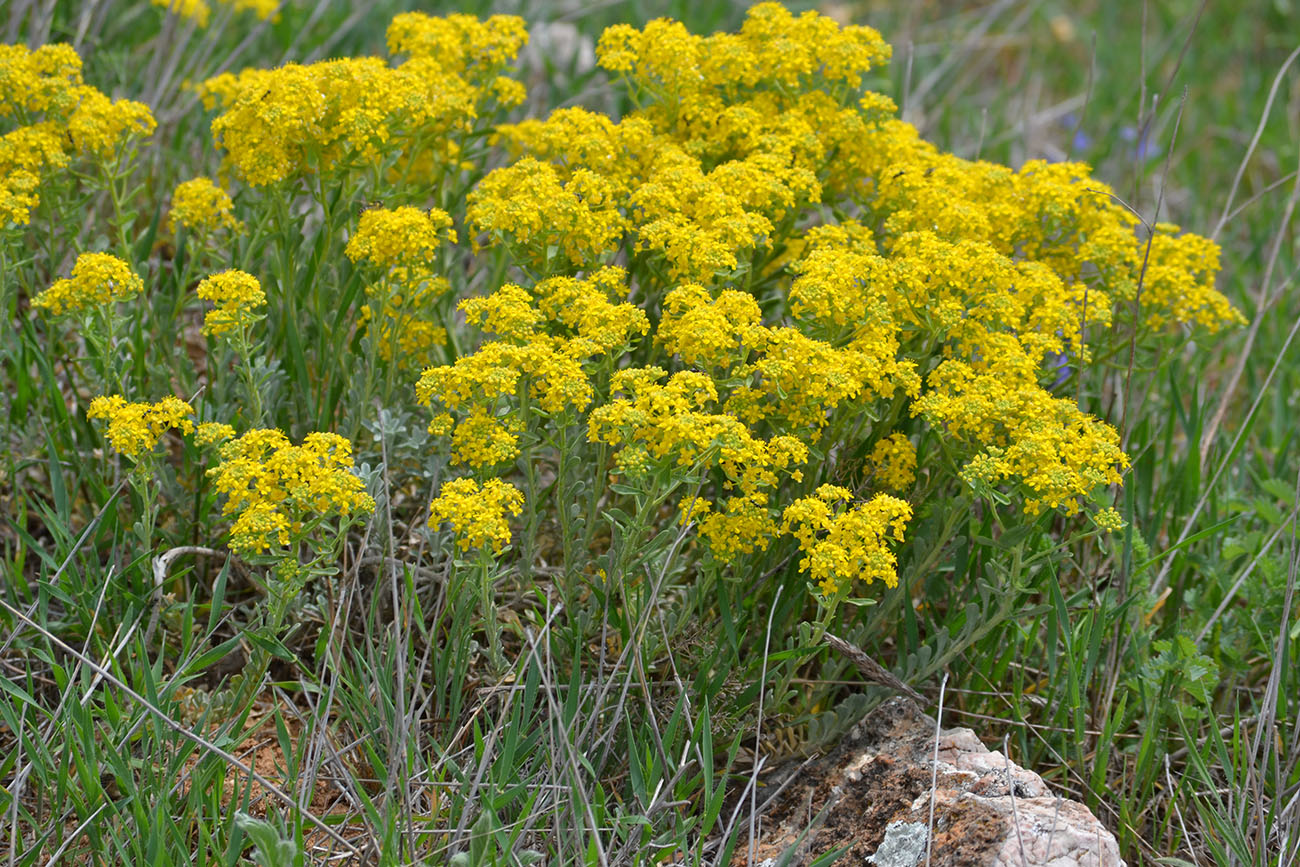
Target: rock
903	846
872	796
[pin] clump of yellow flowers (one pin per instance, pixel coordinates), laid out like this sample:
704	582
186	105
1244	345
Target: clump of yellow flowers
98	281
477	513
842	545
818	288
200	11
135	428
49	118
757	308
277	491
237	296
199	205
400	238
299	119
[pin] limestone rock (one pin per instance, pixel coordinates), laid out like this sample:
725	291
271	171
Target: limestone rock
873	796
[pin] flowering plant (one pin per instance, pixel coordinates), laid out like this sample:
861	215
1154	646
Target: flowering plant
737	362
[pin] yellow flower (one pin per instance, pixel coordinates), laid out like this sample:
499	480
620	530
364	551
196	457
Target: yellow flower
1056	453
99	125
201	206
197	11
531	206
41	80
460	42
263	9
742	527
1109	520
274	487
556	379
213	432
98	280
481	440
894	460
508	92
401	238
583	309
508	313
477	514
773	47
841	546
343	114
135	428
237	296
709	332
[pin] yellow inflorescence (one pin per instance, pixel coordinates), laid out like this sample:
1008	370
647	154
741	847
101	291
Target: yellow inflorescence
894	461
59	119
300	119
462	43
201	206
200	11
237	296
1109	520
547	339
273	487
213	432
532	206
477	514
406	238
135	428
197	11
841	545
98	280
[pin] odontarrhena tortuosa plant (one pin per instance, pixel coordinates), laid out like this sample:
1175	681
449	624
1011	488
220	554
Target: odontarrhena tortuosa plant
760	307
753	330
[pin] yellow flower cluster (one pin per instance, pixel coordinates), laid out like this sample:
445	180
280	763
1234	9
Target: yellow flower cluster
546	338
98	280
708	332
135	428
532	207
1049	214
280	123
1108	520
894	462
812	278
197	11
48	117
730	139
581	311
201	207
670	424
277	490
475	385
200	11
407	238
842	545
213	432
460	43
399	317
477	514
237	296
773	48
1019	431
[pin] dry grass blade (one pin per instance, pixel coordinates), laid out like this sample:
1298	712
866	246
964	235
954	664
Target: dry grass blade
872	670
